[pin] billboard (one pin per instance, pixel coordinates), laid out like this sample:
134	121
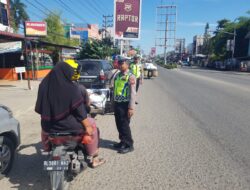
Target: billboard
153	51
127	20
35	28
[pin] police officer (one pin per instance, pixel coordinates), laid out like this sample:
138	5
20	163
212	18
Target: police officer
136	69
124	98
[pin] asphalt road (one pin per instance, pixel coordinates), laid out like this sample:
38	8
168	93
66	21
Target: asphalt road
191	131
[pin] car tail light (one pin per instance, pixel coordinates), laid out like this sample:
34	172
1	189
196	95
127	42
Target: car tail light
102	75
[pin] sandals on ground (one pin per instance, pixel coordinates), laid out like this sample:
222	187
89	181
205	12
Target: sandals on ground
97	162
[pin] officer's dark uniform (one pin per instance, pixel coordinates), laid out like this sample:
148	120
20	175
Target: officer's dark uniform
124	98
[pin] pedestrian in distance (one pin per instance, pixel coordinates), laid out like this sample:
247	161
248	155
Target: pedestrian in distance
124	105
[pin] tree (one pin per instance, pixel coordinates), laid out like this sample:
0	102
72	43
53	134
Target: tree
222	24
55	29
96	49
56	34
225	31
18	14
206	48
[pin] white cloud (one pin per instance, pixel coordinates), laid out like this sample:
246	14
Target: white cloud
195	24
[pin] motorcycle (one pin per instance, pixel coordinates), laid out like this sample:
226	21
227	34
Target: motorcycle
66	159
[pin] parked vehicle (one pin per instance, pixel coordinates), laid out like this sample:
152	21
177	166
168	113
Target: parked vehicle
9	139
232	64
65	160
220	65
185	63
95	76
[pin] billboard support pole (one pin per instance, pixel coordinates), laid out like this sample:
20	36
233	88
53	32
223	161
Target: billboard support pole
121	50
27	64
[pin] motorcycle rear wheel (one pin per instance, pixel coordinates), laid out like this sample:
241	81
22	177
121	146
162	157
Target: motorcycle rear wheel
58	180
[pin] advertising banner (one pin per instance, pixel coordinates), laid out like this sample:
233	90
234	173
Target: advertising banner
10	47
35	28
127	20
153	51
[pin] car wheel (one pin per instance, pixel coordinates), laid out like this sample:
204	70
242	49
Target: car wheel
7	153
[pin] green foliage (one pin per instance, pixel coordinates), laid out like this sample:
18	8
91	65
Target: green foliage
18	14
55	30
56	33
225	30
160	61
171	66
206	48
96	49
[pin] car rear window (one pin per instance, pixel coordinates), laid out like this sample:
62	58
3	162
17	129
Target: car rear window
90	67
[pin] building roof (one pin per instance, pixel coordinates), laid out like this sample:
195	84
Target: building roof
12	37
7	37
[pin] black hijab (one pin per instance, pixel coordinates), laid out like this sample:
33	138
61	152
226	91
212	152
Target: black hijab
58	96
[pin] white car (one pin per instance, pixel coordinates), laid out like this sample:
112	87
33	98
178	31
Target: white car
9	139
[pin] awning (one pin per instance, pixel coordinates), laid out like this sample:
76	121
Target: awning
10	37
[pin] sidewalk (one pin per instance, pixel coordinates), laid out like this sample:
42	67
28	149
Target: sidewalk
17	97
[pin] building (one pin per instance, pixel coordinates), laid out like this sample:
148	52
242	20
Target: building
82	32
180	46
4	16
198	42
190	49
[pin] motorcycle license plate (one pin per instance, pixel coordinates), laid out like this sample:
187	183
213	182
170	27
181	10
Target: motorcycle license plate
55	165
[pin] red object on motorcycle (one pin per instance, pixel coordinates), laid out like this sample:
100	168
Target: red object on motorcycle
87	139
64	139
56	158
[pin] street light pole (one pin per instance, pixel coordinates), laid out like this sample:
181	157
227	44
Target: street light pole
233	48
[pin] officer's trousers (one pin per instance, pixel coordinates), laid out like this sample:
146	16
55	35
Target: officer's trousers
122	123
137	84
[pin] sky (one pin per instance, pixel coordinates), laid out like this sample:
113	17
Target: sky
192	15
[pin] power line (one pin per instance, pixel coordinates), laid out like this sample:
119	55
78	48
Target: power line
92	5
71	11
36	7
98	5
84	6
44	7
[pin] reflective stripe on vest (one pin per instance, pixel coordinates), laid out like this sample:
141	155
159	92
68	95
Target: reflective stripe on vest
121	91
136	70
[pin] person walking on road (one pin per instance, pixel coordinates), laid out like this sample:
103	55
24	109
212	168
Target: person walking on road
136	69
124	98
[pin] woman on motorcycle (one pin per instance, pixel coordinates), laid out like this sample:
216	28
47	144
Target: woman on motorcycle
61	104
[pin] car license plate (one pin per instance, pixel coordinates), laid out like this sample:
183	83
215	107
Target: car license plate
86	80
55	165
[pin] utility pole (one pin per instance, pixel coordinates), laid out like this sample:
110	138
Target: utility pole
166	27
165	41
107	22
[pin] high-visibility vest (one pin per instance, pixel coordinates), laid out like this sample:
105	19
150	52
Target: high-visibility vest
122	91
136	69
